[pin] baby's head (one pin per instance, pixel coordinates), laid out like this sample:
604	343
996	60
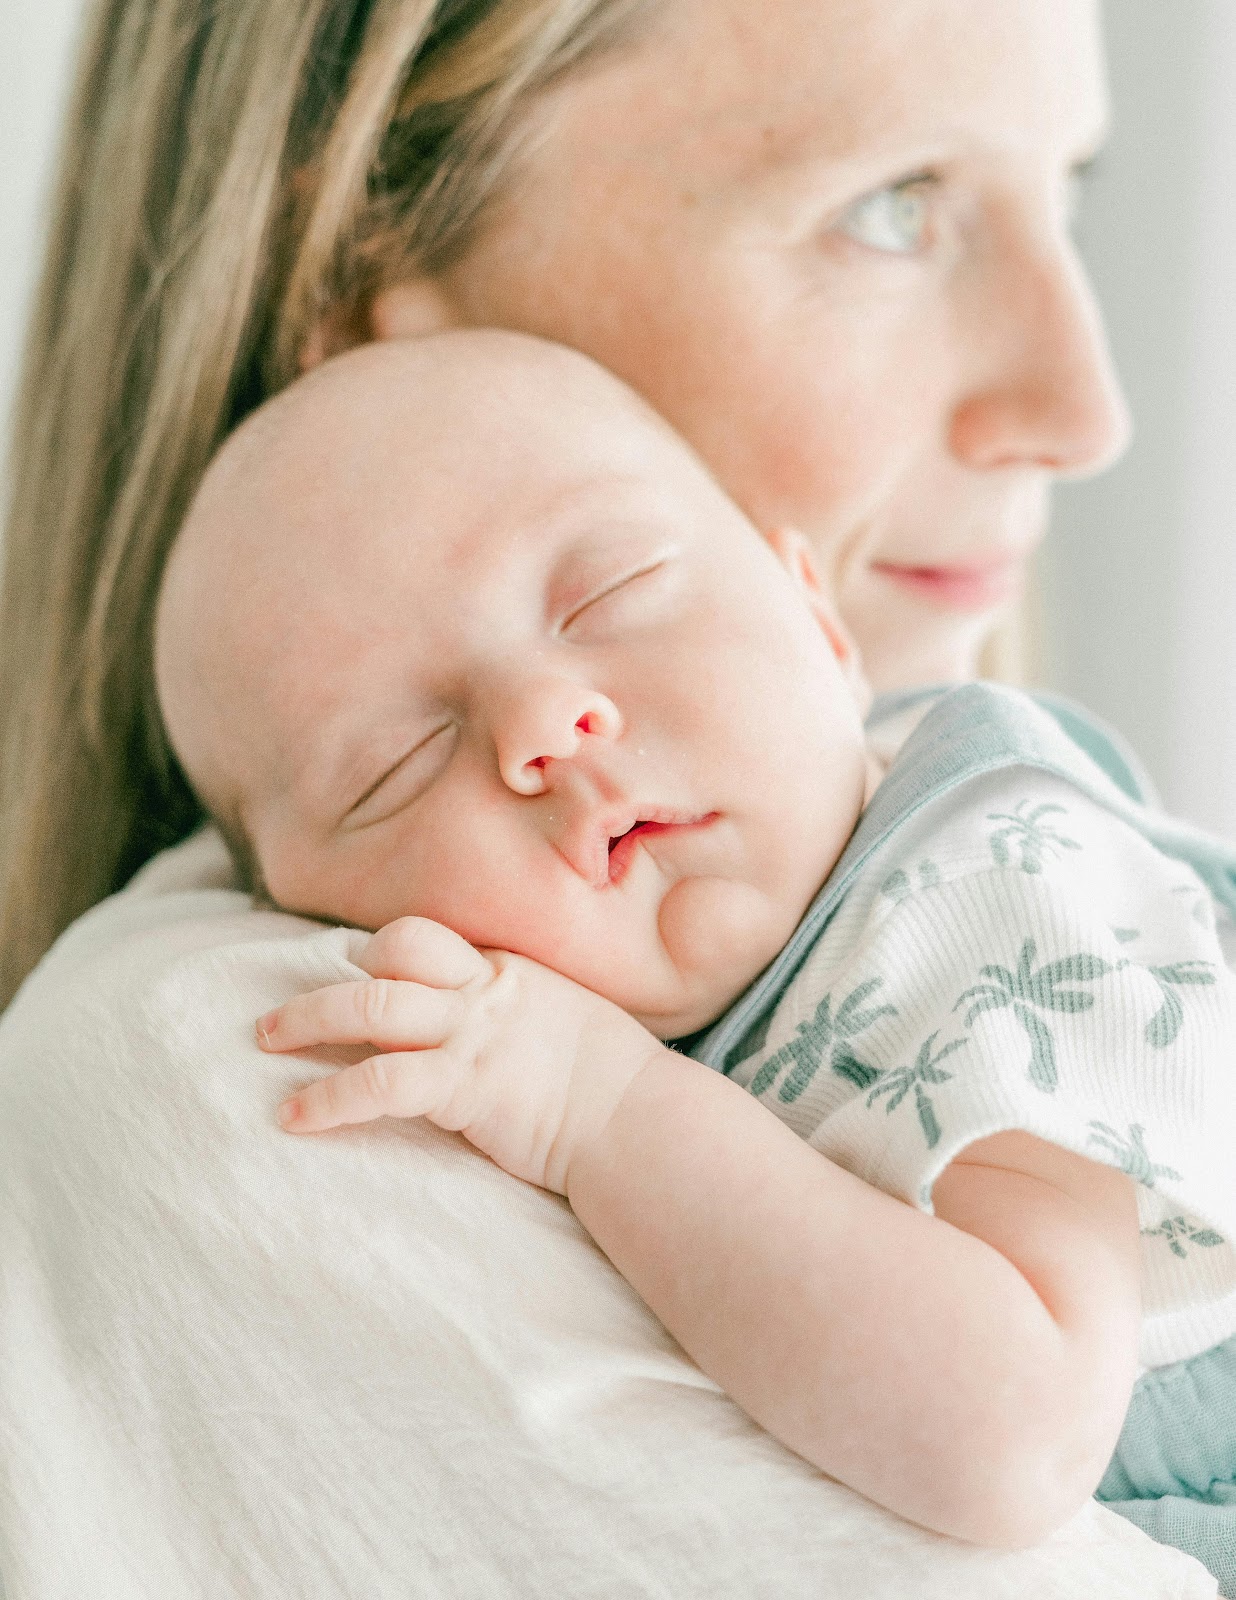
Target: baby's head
458	628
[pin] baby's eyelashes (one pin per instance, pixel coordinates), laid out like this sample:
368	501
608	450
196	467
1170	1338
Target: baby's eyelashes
404	780
624	589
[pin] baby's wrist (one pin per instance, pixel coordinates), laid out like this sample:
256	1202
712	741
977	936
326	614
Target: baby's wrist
613	1071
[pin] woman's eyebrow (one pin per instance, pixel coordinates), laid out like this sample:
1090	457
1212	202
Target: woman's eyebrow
841	174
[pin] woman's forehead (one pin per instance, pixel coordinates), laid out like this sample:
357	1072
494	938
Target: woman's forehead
726	87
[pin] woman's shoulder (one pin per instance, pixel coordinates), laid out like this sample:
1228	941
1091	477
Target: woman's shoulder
181	905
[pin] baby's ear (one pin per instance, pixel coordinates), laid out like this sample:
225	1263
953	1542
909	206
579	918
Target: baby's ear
794	552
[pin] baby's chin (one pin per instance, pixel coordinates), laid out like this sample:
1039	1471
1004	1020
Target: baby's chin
717	936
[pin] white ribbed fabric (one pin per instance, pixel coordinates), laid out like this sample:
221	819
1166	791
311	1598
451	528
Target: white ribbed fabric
235	1365
1017	957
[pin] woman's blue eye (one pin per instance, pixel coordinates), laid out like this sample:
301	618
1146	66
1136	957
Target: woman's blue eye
893	219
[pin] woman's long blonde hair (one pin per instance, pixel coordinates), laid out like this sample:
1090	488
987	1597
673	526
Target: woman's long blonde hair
233	171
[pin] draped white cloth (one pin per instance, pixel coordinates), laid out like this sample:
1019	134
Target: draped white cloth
367	1364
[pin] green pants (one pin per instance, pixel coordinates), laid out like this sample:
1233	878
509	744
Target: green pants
1174	1470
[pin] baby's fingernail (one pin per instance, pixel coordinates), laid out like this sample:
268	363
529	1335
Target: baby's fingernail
265	1027
288	1113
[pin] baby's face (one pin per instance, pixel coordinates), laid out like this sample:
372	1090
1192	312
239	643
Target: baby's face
512	662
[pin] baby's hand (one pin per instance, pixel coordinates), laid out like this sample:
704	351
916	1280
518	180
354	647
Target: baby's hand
526	1064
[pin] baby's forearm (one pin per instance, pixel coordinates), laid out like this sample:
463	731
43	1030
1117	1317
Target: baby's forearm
904	1355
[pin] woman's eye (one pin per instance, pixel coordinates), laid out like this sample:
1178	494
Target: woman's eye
893	219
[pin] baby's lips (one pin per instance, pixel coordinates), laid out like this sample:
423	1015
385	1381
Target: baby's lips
623	849
600	848
586	843
586	851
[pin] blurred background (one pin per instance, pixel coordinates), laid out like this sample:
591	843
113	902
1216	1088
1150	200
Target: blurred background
1137	604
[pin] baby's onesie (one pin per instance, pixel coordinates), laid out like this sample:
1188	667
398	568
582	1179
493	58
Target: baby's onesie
1013	940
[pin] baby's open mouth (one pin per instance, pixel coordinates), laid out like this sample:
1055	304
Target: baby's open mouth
623	846
636	827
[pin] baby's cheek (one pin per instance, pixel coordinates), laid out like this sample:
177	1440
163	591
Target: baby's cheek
720	934
487	913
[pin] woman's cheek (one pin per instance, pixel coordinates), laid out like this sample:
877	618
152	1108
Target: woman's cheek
826	463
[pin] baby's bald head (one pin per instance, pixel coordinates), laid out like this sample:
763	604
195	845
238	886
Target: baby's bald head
451	619
405	440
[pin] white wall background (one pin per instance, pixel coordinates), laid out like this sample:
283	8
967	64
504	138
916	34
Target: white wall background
1140	577
36	39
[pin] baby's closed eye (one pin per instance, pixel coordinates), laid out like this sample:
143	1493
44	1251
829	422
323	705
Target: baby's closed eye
404	780
616	600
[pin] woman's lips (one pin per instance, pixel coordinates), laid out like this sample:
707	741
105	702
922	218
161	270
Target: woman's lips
978	586
623	847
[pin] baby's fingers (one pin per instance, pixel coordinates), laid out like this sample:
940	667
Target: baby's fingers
403	1085
413	948
377	1011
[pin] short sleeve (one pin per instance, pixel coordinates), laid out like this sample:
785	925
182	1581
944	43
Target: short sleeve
1031	964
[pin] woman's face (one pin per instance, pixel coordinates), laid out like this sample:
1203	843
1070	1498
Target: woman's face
830	241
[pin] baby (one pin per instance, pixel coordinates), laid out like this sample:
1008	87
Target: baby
460	643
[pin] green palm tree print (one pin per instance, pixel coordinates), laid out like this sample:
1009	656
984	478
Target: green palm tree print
1028	992
926	1070
1029	834
1164	1027
897	885
1179	1232
825	1032
1130	1153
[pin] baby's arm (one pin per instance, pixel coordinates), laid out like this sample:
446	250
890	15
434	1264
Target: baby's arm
969	1370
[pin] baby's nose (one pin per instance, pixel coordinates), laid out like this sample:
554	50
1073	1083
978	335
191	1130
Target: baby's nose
546	721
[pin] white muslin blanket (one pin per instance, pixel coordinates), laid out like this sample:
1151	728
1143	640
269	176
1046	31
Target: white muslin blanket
235	1363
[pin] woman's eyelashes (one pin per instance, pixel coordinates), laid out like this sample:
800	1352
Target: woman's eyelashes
895	219
404	781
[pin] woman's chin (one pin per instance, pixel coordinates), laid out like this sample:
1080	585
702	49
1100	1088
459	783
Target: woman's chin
940	649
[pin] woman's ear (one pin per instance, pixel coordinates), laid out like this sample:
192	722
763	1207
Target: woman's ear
411	309
339	328
406	310
794	552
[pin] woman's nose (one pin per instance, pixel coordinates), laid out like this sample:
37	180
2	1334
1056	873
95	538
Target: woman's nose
543	720
1043	390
